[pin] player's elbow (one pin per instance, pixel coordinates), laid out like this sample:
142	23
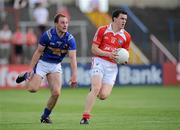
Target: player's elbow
93	50
40	52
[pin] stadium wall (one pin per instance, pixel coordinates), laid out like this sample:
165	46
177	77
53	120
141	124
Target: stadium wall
152	74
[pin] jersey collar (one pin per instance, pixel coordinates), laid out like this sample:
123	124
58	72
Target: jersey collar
121	32
109	29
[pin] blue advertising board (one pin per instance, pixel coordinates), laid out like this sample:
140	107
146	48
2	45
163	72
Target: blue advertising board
140	75
127	75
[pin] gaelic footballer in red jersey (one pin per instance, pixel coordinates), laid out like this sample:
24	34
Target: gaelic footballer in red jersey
109	41
104	68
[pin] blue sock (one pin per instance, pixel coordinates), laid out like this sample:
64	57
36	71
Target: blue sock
46	113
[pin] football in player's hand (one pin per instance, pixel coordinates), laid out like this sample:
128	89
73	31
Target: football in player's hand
122	56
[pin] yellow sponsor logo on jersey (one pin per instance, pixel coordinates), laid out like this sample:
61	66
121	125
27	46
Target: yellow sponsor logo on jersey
57	51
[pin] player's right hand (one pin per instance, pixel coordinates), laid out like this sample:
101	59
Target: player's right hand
73	84
112	55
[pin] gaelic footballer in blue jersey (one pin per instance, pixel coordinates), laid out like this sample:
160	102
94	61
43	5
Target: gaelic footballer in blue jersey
54	45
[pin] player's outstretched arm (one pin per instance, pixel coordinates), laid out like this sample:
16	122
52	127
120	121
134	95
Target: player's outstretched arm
73	63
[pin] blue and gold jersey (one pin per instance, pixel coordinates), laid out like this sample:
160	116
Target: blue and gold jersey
56	47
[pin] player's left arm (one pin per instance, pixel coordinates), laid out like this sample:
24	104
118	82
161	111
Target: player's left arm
73	61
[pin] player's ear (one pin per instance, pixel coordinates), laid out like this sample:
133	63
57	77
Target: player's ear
114	19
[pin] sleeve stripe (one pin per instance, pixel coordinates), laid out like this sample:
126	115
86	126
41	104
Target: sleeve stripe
49	34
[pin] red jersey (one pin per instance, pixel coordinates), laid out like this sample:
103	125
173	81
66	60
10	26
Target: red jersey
107	40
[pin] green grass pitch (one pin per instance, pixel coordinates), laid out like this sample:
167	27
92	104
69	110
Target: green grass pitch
128	108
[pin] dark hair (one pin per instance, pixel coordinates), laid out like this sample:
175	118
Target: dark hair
117	12
56	17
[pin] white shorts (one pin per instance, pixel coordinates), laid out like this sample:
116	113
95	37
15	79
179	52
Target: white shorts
107	70
43	68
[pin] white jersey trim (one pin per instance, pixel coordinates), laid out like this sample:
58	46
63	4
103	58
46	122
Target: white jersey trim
121	32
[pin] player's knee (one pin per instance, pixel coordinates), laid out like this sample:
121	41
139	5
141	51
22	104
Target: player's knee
102	96
95	91
32	87
56	93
